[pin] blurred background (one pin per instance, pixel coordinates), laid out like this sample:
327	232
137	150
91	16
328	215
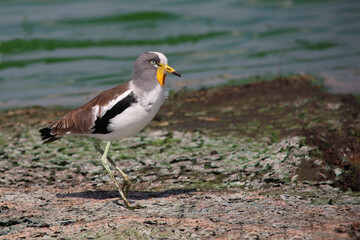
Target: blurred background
65	52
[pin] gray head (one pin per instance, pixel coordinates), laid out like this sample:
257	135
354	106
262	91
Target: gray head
150	69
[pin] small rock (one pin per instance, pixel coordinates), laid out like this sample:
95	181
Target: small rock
66	222
213	152
296	238
318	162
252	236
338	171
151	222
340	229
9	223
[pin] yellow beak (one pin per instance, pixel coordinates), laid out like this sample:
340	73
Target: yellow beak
161	75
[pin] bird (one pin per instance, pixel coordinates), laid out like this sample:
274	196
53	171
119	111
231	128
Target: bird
118	113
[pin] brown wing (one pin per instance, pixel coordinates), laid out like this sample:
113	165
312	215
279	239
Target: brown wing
80	120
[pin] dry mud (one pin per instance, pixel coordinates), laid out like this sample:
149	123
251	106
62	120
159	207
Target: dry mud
267	160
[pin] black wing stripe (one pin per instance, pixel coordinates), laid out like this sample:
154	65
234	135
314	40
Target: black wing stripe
102	123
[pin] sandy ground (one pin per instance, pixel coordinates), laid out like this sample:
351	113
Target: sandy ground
173	214
273	160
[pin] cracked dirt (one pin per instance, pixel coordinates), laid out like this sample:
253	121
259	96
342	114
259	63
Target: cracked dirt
268	160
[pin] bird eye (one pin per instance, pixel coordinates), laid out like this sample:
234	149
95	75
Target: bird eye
153	62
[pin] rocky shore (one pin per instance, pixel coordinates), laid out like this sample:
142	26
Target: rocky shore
273	159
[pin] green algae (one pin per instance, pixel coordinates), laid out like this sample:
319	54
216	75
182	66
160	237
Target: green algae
267	147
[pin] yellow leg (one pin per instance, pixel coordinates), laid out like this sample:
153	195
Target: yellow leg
126	184
105	162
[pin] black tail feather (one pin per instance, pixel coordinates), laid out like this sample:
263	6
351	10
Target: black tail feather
46	135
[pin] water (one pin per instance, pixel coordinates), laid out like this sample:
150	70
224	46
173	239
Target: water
64	52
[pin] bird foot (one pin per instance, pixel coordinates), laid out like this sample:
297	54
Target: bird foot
133	207
130	206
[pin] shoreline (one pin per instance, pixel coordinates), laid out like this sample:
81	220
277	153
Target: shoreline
283	144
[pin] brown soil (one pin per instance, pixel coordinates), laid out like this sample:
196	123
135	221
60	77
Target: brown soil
230	110
55	193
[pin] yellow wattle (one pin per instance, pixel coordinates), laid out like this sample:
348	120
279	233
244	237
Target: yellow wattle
160	75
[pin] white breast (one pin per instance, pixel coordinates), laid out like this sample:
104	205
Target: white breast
136	117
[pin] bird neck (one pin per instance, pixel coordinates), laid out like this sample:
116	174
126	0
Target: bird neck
146	80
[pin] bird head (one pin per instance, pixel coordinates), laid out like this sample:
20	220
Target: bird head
153	63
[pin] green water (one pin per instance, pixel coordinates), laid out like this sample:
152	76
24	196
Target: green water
64	52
